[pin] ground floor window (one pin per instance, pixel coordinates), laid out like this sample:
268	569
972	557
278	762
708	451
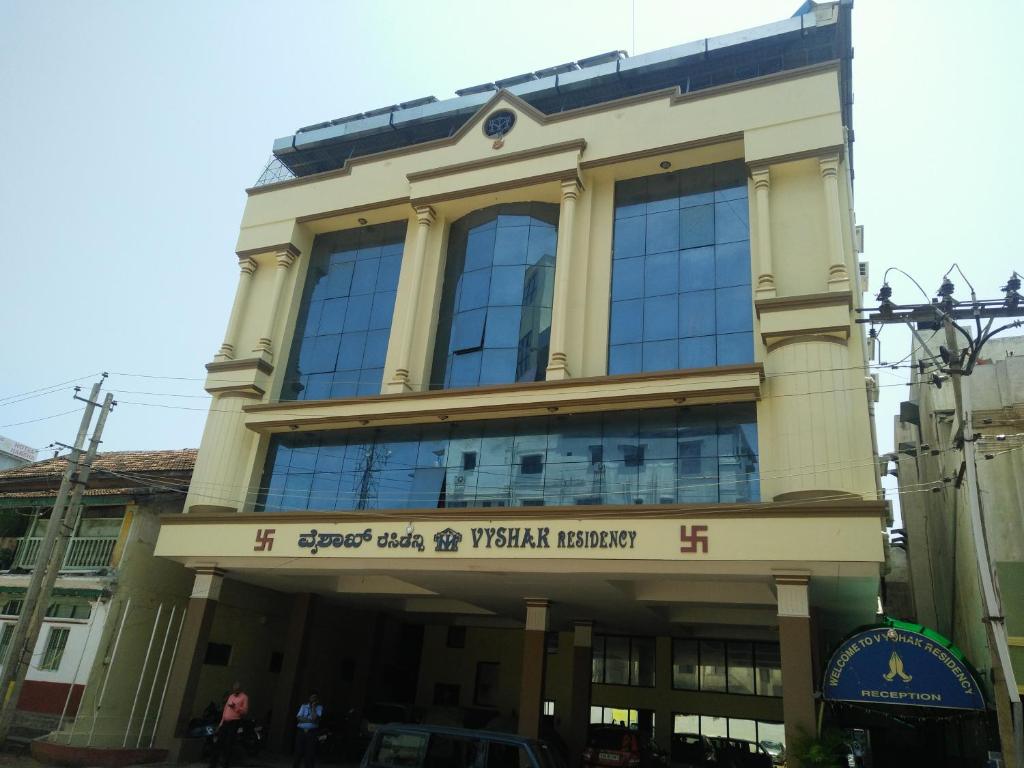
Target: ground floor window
5	640
56	642
549	707
639	719
729	727
620	660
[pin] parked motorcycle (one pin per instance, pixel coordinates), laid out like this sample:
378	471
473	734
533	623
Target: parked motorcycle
251	735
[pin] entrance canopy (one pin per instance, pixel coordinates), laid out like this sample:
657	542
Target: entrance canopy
903	664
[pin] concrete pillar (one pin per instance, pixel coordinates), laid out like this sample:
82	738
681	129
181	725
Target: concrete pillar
795	649
399	381
579	694
247	267
285	258
282	719
765	287
531	690
838	273
183	677
558	359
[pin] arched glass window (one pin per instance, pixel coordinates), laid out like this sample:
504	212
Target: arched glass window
341	337
494	324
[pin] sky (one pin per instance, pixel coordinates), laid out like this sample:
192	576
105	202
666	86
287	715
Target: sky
130	130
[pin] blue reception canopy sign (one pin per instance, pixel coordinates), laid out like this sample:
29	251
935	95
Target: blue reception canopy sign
901	664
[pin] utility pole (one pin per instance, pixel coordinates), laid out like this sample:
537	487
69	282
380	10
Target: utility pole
943	313
50	556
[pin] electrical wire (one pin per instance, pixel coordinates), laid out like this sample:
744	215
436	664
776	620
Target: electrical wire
5	398
42	418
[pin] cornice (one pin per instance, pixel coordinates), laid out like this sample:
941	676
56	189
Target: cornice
805	301
533	387
281	248
840	508
244	364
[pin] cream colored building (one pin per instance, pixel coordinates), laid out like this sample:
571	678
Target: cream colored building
549	398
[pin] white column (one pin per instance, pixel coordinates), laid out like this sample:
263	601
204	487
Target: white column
285	258
399	381
558	360
247	266
766	276
838	274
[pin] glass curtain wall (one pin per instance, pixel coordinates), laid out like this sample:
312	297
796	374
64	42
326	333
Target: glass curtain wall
681	294
705	454
494	323
341	336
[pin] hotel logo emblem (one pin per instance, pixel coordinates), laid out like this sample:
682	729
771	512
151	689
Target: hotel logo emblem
447	540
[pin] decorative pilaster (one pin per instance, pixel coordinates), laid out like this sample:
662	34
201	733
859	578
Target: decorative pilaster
399	381
531	687
838	274
558	360
284	258
765	288
247	267
796	654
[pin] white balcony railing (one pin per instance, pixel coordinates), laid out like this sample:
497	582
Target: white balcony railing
83	553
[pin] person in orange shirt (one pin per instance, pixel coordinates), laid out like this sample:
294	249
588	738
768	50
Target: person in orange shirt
235	708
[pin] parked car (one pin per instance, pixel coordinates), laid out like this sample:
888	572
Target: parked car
776	750
376	715
691	750
739	753
616	745
433	746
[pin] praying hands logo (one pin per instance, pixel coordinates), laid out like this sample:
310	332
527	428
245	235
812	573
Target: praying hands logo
896	669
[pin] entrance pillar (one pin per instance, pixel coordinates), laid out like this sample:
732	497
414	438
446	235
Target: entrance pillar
579	696
795	650
531	690
183	677
285	696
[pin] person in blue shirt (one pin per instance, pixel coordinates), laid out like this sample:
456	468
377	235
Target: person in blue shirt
308	730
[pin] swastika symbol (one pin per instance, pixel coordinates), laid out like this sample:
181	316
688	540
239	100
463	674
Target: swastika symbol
264	540
692	540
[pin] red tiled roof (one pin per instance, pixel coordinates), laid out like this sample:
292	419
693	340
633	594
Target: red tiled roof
154	467
116	461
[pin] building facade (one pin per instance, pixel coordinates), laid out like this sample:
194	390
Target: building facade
548	399
91	676
940	540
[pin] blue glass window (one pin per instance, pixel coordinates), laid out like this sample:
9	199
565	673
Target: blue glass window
705	454
341	337
680	295
494	323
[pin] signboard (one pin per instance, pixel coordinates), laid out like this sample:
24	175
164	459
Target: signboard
890	665
16	449
326	538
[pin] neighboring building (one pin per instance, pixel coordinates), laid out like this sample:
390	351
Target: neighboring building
111	596
944	576
548	398
15	454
